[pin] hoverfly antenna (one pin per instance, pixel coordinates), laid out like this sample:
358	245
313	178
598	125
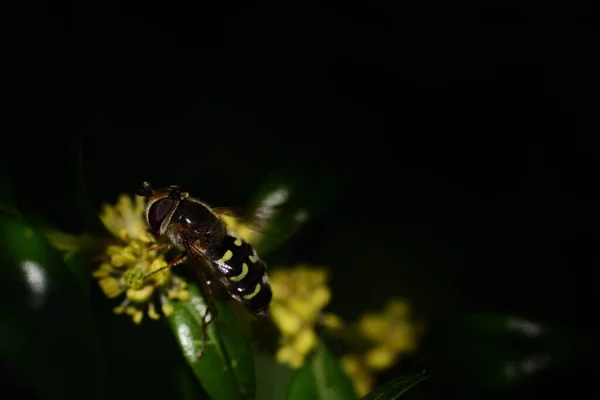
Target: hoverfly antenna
146	190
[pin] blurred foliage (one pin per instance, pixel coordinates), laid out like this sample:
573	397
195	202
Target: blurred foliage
47	335
354	311
321	378
46	277
394	389
223	363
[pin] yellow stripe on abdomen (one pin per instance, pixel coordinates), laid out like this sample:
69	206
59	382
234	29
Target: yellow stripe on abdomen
242	275
227	256
253	294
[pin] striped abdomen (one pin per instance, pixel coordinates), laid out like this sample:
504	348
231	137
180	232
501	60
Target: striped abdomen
246	274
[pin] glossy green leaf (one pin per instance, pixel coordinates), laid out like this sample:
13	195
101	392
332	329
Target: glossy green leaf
493	351
321	378
47	336
226	371
397	387
286	200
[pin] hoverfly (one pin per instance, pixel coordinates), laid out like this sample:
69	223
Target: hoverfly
197	231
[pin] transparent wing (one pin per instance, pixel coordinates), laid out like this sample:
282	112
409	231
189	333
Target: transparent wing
252	224
205	268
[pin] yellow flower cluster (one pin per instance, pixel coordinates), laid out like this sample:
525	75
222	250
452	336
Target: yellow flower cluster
362	378
299	295
134	257
392	334
125	220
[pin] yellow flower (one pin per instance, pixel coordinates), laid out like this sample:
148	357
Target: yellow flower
305	340
380	357
288	354
299	295
359	373
289	323
331	321
392	333
125	220
391	329
127	262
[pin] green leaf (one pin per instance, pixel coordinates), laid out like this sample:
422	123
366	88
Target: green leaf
47	337
286	200
272	378
76	261
492	351
187	386
321	378
397	387
226	370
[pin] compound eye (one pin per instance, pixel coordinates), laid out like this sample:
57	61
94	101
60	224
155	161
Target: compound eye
157	213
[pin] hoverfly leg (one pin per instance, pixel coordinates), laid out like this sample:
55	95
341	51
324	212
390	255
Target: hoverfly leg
180	259
210	307
161	246
202	338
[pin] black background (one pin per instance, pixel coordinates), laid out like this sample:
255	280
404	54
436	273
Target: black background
464	131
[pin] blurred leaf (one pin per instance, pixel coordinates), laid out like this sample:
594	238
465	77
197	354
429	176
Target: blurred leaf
76	262
46	334
187	385
491	351
60	240
226	371
321	378
286	200
397	387
272	378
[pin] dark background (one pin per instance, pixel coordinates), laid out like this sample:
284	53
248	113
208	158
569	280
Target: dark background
461	134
